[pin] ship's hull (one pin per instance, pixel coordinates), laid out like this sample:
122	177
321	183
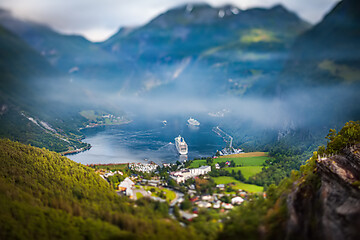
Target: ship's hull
181	146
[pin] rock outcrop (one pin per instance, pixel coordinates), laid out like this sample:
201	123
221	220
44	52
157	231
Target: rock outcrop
327	204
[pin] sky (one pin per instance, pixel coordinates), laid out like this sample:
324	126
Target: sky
97	20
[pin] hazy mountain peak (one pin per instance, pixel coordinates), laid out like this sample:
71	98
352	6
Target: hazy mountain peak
5	13
279	7
346	12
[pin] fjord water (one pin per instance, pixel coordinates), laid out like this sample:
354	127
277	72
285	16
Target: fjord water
151	140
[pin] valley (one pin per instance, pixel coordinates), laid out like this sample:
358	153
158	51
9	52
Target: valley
281	89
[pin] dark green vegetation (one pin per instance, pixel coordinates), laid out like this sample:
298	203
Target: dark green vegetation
348	135
46	196
298	197
27	79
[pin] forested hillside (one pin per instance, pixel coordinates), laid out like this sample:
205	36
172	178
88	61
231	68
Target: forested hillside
46	196
31	110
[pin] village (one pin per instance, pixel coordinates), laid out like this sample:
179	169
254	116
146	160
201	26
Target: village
188	190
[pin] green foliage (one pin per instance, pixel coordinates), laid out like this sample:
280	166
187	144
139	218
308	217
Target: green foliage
186	204
349	134
48	196
235	184
267	218
176	211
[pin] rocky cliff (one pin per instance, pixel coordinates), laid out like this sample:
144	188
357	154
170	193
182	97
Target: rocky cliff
327	205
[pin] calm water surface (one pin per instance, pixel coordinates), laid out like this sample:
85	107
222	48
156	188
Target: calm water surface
150	140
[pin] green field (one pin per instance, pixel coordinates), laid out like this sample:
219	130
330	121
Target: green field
242	161
247	171
238	185
170	195
197	163
245	161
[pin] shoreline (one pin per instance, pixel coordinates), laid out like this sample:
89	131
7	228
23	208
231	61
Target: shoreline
104	164
80	150
76	151
102	125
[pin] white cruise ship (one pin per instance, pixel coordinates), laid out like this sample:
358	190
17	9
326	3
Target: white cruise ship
193	122
181	145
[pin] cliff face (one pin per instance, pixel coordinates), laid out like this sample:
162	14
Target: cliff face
327	205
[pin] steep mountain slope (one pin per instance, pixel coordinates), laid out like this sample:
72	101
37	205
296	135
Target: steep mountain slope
46	196
215	48
319	202
68	53
329	53
28	88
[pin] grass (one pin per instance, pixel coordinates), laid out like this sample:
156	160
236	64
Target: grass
251	159
139	195
247	171
249	154
197	163
238	185
245	161
170	195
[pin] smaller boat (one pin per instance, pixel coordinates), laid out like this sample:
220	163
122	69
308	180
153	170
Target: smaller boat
164	122
193	122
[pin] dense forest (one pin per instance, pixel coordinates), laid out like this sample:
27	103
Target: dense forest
46	196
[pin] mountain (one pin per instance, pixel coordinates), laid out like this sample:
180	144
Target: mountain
46	196
185	48
198	45
328	53
72	54
321	201
30	90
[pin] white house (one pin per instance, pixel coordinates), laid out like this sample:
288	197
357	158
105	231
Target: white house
202	204
185	174
217	166
207	197
217	204
236	200
126	186
227	206
178	178
200	171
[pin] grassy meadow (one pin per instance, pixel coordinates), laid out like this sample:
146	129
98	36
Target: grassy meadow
248	163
